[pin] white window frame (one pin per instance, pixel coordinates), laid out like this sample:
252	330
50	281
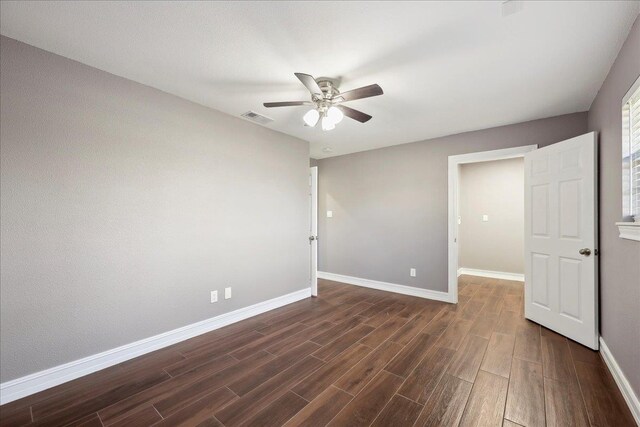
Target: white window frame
628	228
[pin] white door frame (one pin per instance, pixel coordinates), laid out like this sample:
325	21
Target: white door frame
454	176
313	230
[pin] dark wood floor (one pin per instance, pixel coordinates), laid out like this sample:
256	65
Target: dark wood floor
355	357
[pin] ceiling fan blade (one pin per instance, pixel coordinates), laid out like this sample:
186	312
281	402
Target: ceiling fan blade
362	92
310	83
354	114
286	104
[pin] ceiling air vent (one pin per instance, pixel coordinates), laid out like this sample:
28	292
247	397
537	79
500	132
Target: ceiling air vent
258	118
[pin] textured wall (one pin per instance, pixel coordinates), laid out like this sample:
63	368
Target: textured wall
123	206
390	205
619	258
495	189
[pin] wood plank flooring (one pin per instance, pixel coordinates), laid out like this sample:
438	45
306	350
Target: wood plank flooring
357	357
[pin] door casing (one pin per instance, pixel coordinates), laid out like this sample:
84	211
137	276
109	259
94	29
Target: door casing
313	231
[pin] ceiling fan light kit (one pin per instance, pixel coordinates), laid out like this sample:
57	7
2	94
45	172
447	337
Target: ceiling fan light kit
328	124
335	114
311	118
327	100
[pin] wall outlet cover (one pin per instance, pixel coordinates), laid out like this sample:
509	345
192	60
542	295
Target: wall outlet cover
214	296
329	214
227	293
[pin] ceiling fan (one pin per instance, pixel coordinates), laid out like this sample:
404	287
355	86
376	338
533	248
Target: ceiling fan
327	100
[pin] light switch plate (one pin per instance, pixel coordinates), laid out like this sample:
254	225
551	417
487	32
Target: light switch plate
214	296
329	214
412	272
227	293
485	218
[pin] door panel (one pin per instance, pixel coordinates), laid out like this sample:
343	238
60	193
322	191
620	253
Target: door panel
540	279
570	288
570	195
560	220
540	207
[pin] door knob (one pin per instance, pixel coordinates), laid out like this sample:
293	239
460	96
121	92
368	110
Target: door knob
585	251
312	238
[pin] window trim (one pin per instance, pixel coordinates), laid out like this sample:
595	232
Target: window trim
628	229
630	92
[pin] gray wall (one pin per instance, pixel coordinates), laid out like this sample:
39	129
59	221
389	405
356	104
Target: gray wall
619	258
390	205
123	206
495	189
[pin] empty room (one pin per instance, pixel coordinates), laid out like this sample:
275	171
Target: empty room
320	213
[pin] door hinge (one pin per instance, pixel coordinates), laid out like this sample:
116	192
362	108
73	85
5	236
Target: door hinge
596	252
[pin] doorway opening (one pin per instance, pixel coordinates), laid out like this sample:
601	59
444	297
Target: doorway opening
491	219
486	215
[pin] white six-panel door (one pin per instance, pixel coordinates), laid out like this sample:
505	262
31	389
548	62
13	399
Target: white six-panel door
561	280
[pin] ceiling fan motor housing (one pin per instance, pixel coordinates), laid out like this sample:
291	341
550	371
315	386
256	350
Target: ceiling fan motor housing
329	91
328	86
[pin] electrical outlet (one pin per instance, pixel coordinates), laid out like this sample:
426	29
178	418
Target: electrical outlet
485	218
412	272
214	296
227	293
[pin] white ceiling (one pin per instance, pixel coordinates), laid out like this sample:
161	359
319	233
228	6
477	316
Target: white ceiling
445	67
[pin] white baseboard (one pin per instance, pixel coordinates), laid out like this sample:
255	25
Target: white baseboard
33	383
385	286
622	382
491	274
